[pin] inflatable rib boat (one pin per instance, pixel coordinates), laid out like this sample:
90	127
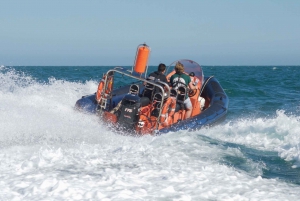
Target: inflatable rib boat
151	106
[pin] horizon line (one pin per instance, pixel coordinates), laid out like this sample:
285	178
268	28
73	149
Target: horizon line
274	65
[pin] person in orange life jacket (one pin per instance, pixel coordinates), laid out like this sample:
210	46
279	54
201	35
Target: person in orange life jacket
181	79
157	75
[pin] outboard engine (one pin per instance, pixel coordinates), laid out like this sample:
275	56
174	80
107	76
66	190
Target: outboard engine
129	111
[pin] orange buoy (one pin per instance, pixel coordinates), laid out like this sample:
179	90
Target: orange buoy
141	59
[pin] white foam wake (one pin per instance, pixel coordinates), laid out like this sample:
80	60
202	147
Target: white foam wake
280	134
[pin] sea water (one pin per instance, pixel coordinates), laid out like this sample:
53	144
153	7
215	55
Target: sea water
49	151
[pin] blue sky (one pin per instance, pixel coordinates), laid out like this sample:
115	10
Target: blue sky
107	32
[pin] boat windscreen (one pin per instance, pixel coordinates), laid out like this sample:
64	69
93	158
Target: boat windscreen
189	67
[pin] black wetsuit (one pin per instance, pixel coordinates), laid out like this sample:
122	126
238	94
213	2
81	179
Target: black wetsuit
156	76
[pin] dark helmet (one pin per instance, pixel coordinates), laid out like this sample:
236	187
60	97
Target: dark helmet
192	74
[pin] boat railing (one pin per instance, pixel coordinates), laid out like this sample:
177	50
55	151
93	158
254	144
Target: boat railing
164	87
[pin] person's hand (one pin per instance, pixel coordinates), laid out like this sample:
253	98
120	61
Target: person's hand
192	92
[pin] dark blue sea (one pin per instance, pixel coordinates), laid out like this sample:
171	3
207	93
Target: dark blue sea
49	151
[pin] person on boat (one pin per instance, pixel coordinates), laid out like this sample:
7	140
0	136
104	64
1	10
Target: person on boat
194	79
181	79
157	75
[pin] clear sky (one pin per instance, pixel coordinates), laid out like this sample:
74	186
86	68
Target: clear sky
107	32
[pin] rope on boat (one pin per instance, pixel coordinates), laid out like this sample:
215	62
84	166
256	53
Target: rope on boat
203	86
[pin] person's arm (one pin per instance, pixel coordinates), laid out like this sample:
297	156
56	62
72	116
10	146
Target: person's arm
171	81
150	77
192	86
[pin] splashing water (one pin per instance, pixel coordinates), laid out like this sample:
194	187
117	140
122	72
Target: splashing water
50	151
